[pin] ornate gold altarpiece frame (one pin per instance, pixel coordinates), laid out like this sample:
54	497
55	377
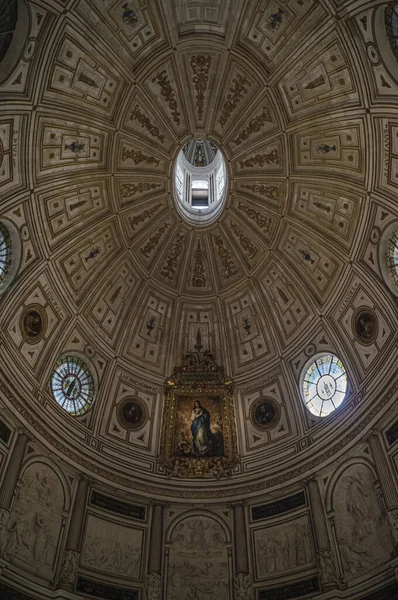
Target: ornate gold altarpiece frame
198	383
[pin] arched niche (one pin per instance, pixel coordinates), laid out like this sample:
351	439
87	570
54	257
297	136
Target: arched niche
362	535
34	532
13	36
198	558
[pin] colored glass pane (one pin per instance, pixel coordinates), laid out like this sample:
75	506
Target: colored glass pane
324	385
391	22
392	256
5	251
72	385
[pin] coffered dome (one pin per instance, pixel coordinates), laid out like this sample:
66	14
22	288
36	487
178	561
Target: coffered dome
102	102
210	176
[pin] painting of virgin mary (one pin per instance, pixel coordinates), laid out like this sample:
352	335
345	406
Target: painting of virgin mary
203	438
198	427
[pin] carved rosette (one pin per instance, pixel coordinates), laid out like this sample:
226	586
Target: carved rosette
243	589
327	571
69	567
153	586
4	519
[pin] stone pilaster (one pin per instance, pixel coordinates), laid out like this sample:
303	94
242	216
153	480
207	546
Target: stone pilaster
326	566
243	589
154	580
71	556
10	481
387	485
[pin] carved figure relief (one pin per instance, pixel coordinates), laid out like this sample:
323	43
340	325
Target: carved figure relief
361	527
198	566
283	548
34	527
112	547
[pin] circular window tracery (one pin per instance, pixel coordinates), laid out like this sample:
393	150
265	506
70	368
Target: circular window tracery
72	385
392	256
324	385
391	22
5	252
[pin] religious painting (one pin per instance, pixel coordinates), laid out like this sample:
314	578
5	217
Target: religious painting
33	323
132	413
365	325
264	413
199	430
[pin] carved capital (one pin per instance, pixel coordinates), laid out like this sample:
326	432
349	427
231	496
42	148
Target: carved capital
369	434
70	563
26	432
153	586
327	569
243	589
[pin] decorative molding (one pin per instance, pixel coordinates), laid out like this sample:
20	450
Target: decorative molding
200	66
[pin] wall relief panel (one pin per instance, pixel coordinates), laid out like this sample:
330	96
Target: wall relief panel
284	548
199	563
34	528
112	548
363	537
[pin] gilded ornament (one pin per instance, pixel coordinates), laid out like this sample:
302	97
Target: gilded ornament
199	431
200	66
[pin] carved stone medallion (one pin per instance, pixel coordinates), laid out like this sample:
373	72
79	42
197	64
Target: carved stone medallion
33	323
132	413
264	413
365	325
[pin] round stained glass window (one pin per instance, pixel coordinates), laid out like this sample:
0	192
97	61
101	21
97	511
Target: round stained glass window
324	385
391	21
72	385
392	255
5	251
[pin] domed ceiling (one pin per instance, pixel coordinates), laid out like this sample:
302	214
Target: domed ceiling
103	99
